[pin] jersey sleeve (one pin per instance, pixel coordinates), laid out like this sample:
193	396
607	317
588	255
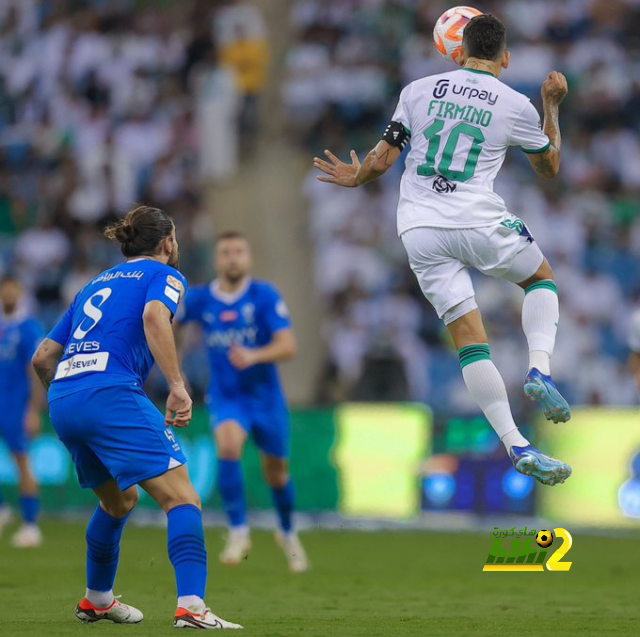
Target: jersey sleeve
62	329
634	333
527	132
189	309
32	334
275	313
167	286
401	114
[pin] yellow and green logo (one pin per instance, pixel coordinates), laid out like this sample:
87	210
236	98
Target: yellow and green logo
528	550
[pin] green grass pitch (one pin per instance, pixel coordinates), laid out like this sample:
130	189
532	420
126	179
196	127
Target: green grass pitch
362	584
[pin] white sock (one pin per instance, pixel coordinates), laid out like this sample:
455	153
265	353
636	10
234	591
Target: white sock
100	599
485	384
192	602
540	316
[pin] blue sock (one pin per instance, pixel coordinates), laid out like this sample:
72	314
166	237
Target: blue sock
29	507
231	487
283	501
103	549
185	542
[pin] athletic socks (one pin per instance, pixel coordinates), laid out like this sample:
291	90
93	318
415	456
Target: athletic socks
103	549
485	384
230	484
283	501
29	508
187	553
540	316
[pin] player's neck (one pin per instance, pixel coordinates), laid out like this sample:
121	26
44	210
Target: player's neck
485	66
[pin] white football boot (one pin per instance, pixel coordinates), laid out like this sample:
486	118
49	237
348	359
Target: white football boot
118	613
28	536
237	547
294	551
206	620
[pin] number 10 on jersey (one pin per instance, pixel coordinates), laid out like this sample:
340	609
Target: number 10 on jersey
432	134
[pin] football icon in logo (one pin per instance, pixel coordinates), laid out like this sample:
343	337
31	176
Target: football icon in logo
544	539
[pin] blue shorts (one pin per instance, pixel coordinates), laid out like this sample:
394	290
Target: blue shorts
269	428
115	432
12	430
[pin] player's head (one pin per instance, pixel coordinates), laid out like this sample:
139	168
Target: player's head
146	232
10	293
233	259
485	38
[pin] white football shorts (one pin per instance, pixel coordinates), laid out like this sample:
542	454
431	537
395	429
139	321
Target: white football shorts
441	257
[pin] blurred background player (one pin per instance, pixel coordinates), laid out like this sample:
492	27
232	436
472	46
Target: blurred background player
460	125
247	330
94	363
634	347
21	399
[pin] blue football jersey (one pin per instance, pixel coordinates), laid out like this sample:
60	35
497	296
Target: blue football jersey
249	319
19	338
103	333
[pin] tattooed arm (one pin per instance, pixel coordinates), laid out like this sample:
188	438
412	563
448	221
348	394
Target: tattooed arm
45	360
554	90
375	164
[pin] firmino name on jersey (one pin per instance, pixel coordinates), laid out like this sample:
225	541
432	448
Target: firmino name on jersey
468	113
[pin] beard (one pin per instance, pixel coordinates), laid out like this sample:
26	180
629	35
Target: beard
174	259
234	276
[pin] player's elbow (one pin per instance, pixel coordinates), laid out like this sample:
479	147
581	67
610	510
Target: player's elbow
41	361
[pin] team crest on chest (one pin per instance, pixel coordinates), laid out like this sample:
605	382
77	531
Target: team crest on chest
248	312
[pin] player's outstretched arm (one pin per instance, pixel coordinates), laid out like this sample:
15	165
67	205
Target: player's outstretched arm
554	90
45	360
375	164
159	334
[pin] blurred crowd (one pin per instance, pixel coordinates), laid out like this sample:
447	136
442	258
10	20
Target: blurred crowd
104	104
344	72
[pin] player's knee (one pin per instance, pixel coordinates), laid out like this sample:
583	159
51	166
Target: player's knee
122	506
229	451
276	477
180	497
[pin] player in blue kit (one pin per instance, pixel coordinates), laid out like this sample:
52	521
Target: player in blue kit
21	401
246	329
94	363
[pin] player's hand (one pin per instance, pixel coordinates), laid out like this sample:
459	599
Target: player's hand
32	422
241	357
554	88
179	406
338	172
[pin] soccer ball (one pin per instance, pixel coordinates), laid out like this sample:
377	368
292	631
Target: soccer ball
544	539
447	34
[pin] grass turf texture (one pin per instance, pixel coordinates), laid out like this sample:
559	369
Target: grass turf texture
362	584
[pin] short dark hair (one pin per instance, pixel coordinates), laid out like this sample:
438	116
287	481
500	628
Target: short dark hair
484	37
230	234
10	278
141	230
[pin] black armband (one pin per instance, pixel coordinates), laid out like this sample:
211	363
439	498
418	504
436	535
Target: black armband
397	135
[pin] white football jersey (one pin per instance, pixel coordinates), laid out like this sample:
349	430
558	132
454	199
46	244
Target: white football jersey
461	125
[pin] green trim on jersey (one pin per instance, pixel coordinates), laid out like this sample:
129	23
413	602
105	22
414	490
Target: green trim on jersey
539	150
479	72
547	284
406	130
473	354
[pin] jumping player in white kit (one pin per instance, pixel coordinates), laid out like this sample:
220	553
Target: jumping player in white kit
460	125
